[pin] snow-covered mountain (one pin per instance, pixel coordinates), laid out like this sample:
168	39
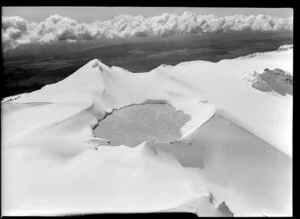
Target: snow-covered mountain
240	129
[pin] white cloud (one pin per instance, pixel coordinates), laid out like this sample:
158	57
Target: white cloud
16	30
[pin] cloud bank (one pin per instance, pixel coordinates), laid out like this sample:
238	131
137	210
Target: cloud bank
16	30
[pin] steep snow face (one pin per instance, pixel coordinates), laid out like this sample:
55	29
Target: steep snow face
267	115
236	166
49	145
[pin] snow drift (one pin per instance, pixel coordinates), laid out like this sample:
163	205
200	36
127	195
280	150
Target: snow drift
240	151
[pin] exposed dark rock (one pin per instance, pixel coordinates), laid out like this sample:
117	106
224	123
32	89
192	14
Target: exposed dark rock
274	80
225	210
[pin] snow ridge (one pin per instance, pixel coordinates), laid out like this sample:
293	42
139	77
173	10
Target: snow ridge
52	143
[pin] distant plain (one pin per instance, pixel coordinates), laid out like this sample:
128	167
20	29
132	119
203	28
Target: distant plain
30	67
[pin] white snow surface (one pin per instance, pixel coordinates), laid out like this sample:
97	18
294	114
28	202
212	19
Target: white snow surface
50	165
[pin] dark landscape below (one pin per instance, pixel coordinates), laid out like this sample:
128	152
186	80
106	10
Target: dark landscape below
30	67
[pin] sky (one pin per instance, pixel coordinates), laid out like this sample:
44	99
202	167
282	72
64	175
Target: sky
89	14
23	25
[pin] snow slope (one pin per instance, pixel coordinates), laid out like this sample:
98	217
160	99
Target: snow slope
50	164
